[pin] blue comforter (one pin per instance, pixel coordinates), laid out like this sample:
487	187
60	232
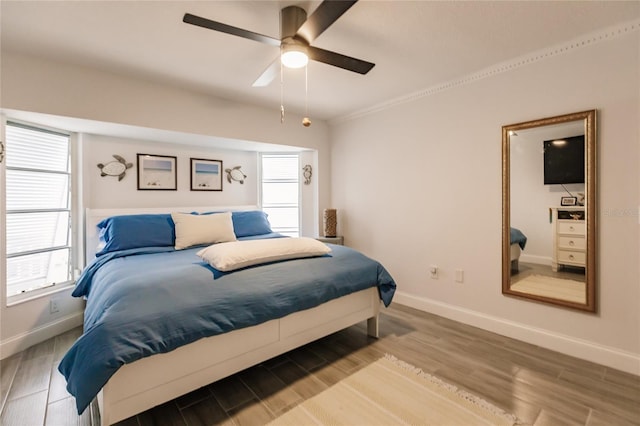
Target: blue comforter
142	302
516	236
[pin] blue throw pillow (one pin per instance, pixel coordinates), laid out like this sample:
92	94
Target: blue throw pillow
248	223
134	231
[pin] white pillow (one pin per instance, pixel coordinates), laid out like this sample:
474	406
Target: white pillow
235	255
194	229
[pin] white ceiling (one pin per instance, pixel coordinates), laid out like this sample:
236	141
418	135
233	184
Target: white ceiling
414	44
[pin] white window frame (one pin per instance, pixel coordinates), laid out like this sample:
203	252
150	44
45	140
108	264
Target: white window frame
261	180
75	258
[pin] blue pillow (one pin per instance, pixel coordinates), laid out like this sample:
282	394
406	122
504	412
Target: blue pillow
248	223
134	231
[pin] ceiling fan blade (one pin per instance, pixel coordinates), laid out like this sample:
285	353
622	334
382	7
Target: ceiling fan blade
224	28
269	74
339	60
322	18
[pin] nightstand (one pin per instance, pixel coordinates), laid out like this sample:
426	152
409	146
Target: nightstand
332	240
569	243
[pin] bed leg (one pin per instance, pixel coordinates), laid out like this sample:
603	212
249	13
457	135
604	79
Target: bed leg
372	327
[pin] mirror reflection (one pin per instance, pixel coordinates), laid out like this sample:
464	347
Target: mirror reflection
548	210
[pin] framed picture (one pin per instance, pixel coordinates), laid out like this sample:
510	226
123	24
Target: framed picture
568	201
157	172
206	175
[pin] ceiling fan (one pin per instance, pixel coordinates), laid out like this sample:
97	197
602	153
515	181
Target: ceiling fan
297	32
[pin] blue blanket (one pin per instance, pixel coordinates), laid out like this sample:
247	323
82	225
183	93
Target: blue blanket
518	237
142	302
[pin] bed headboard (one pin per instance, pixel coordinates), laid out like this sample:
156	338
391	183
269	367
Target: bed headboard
95	216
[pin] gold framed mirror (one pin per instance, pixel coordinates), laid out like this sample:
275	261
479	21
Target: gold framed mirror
549	210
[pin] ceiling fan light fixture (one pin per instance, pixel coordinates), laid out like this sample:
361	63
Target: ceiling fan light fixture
294	56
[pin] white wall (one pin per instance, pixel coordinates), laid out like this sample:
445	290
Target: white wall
43	86
427	174
415	184
36	85
108	192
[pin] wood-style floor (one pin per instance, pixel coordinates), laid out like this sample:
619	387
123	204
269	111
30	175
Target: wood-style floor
540	386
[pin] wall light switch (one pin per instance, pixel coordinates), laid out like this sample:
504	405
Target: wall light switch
459	275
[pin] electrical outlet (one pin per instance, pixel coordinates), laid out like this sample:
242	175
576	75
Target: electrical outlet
53	306
433	271
459	275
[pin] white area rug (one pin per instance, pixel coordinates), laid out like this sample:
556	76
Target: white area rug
392	392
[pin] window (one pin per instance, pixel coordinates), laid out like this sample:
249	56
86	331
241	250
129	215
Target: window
37	209
280	192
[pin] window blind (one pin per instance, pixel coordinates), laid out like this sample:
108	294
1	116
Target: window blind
280	192
38	214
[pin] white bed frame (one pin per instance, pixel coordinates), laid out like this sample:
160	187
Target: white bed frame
151	381
515	256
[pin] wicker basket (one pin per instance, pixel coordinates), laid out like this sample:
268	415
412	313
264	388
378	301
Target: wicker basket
330	222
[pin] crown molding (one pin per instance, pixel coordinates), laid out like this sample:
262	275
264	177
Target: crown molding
590	39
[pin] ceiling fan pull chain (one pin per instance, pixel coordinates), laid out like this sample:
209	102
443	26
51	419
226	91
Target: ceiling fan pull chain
281	91
306	90
306	122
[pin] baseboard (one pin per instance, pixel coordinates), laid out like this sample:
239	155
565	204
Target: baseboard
538	260
22	341
583	349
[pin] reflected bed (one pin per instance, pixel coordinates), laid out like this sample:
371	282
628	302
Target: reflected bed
518	241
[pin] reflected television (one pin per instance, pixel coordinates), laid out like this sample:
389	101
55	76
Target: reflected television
564	160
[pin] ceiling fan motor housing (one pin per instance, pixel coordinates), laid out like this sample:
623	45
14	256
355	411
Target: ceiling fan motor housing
291	19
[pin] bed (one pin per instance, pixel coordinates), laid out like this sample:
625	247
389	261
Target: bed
518	241
161	322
